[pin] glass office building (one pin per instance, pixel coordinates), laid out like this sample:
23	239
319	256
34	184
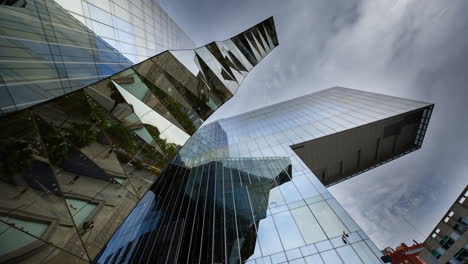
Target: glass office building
294	149
73	168
50	48
101	161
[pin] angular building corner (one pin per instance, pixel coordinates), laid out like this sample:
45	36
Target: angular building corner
77	161
105	161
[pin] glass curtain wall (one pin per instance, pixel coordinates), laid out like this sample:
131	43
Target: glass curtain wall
73	168
45	52
138	29
299	221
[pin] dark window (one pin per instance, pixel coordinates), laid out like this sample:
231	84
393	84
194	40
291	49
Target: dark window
447	242
16	3
462	255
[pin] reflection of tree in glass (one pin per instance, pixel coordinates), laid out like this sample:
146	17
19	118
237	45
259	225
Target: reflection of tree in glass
56	144
116	96
175	108
16	156
120	135
168	149
81	134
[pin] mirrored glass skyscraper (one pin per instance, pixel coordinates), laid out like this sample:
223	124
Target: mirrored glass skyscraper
106	161
75	163
50	48
312	142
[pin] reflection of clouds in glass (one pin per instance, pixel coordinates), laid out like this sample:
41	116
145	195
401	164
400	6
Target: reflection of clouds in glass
268	237
330	223
348	255
289	234
290	192
331	257
168	131
187	57
308	225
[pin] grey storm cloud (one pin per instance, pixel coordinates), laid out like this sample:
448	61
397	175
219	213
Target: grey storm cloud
407	48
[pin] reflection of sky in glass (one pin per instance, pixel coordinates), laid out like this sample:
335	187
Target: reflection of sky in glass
167	130
137	29
304	220
187	57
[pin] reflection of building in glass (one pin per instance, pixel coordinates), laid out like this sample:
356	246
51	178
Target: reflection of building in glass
98	132
448	242
51	48
74	167
329	136
138	29
190	209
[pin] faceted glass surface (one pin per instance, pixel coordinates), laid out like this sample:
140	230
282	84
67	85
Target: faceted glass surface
227	213
74	167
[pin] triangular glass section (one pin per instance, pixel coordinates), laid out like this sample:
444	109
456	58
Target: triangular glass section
25	239
31	193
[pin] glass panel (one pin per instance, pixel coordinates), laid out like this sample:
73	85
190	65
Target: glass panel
77	148
268	237
287	229
16	244
365	253
314	259
330	257
348	255
309	227
12	239
31	195
327	219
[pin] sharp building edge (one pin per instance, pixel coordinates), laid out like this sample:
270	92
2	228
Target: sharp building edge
76	162
103	159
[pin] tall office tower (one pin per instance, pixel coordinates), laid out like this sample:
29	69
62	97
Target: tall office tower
48	49
448	242
73	168
252	188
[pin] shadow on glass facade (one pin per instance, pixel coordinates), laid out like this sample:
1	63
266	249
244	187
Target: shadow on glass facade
117	172
291	219
73	168
206	213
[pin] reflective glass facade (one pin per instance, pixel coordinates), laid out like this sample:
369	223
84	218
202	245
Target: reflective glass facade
73	168
138	29
45	52
299	221
50	48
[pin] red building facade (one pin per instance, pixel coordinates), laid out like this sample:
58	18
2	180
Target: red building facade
404	254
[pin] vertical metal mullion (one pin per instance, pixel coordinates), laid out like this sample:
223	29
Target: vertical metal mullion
235	217
214	217
194	219
175	203
204	212
193	173
160	182
252	212
186	174
155	232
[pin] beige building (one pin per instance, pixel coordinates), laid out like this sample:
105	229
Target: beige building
448	242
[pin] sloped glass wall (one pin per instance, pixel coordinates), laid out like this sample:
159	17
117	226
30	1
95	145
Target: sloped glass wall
73	168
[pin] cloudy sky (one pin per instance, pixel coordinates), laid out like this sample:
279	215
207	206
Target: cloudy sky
407	48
